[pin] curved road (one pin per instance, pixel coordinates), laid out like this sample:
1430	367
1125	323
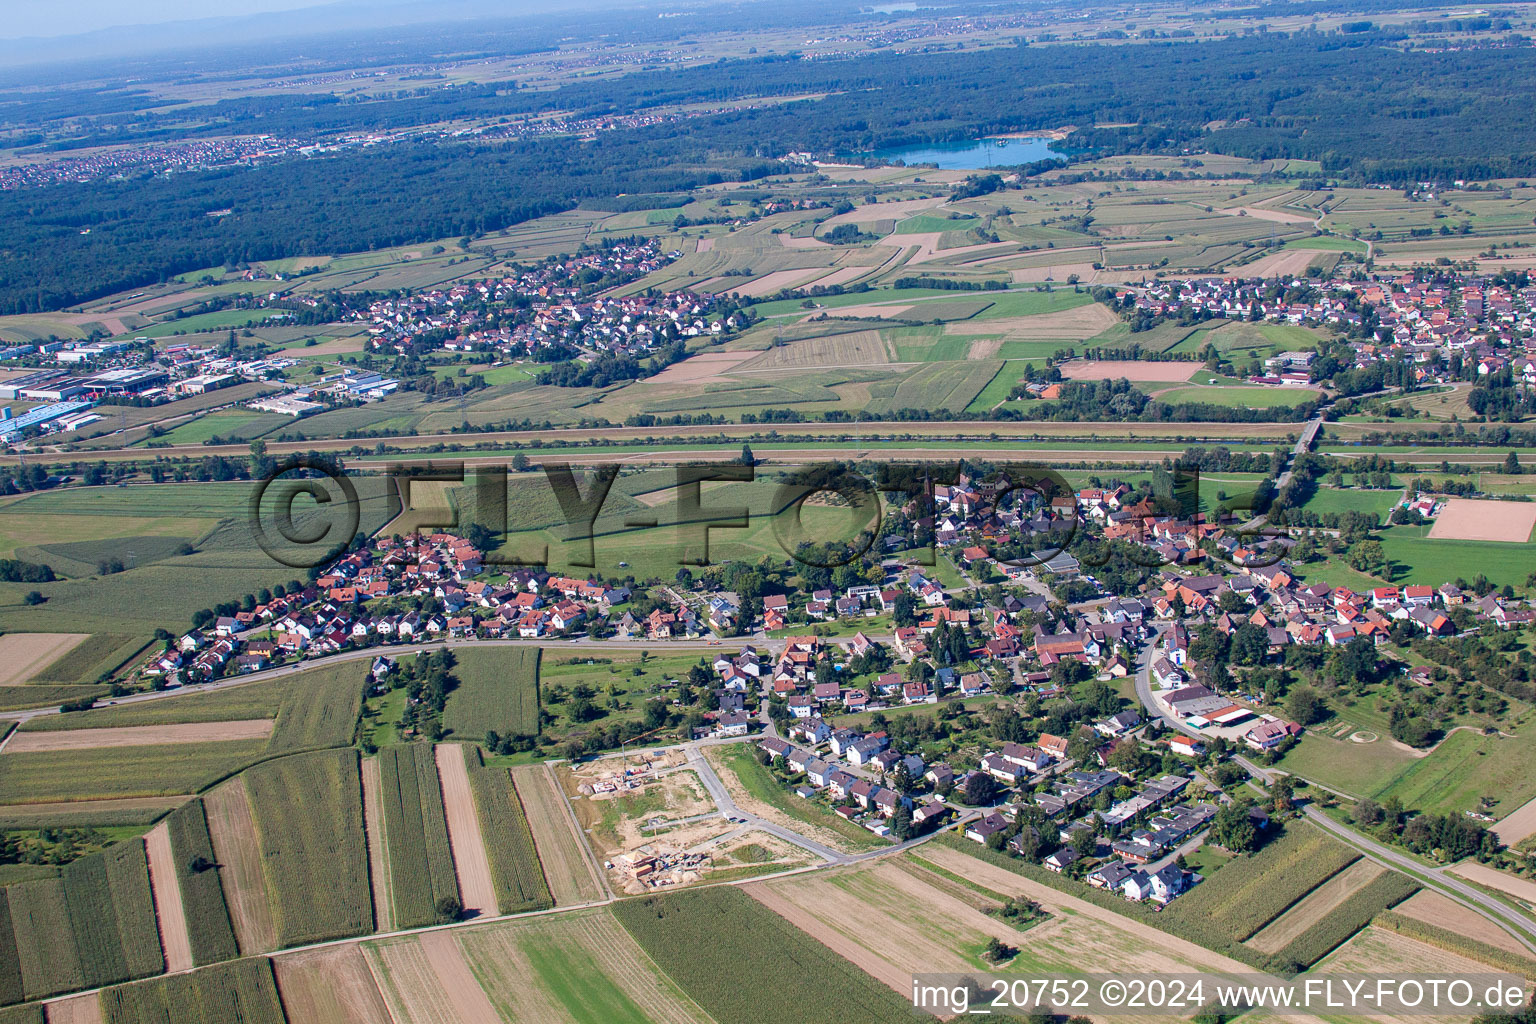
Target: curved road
1517	924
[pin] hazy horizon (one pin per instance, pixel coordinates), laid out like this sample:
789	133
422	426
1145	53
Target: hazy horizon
74	17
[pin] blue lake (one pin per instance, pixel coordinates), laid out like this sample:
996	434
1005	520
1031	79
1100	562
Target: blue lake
975	154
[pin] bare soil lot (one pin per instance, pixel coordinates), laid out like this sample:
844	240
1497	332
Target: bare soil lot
23	655
169	913
1471	519
329	986
233	830
702	368
470	862
140	736
1433	908
1518	824
1130	369
1079	322
84	1009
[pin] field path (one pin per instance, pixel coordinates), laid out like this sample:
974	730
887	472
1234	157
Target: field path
378	851
170	915
233	830
568	865
140	735
470	862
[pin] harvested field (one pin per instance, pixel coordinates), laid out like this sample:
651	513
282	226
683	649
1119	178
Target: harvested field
1080	322
1130	369
169	912
1518	824
872	309
1482	874
775	281
706	367
84	1009
378	864
871	212
1433	908
23	655
1313	907
1287	262
856	348
329	986
1276	216
1471	519
1379	951
568	865
577	967
477	890
842	275
140	736
232	827
425	980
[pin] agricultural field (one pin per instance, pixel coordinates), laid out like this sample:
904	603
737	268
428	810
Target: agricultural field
211	934
309	825
416	831
567	864
471	860
102	773
498	692
329	986
242	990
702	940
510	844
28	655
1247	895
93	924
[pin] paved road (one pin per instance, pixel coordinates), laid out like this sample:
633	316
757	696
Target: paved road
1521	926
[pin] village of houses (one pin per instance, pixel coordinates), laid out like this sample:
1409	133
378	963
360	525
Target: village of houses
776	690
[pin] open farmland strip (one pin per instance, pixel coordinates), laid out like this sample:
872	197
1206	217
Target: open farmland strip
233	832
329	986
425	980
170	916
93	919
568	867
416	834
516	870
1313	907
470	862
1347	918
209	928
32	1013
238	992
378	855
12	988
134	901
309	827
324	711
50	962
707	940
84	1009
140	736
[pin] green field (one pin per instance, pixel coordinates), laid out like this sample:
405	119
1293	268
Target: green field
93	924
416	831
102	772
498	691
309	822
708	941
209	928
1466	766
240	992
1335	500
1239	397
1421	560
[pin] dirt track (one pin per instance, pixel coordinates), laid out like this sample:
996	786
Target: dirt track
169	911
470	863
140	736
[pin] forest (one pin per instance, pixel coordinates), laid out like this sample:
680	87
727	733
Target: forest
1412	116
